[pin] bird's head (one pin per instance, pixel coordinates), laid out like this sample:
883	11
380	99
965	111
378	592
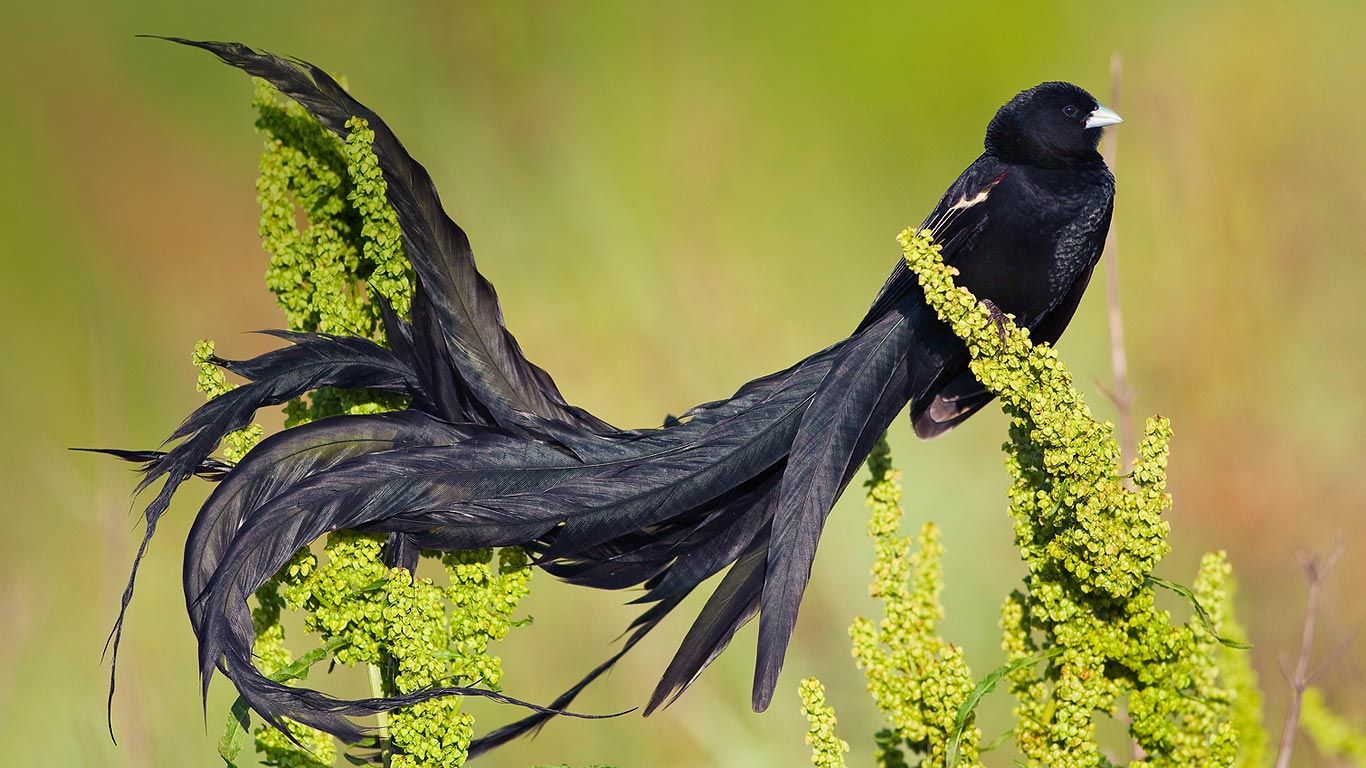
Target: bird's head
1053	125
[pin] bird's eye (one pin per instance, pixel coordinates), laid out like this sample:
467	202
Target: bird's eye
1069	110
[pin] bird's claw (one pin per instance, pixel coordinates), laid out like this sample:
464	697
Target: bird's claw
998	317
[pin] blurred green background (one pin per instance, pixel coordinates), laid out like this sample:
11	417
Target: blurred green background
673	200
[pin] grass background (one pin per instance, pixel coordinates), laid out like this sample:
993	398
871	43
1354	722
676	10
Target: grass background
673	200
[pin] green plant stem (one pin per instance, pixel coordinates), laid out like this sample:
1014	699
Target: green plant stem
382	718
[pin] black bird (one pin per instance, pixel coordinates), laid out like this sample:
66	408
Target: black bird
490	454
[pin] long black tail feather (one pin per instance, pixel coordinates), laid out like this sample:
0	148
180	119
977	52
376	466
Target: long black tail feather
210	469
310	362
487	489
676	557
731	606
469	322
869	384
282	461
274	702
533	723
490	454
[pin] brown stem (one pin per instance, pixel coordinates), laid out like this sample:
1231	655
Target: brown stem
1121	394
1315	568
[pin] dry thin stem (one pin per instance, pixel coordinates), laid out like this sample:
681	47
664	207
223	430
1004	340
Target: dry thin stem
1316	569
1120	392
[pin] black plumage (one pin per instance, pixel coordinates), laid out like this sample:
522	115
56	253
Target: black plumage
490	454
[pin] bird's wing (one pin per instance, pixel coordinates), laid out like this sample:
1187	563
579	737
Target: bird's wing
964	395
959	216
468	320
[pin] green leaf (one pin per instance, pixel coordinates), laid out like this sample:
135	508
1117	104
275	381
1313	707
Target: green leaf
1001	738
298	669
239	722
988	684
239	717
1199	611
373	586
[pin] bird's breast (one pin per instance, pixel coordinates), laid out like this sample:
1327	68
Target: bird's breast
1032	247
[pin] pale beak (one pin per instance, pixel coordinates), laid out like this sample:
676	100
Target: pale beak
1103	116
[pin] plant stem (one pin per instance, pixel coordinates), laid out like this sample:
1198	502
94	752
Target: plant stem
1314	569
382	718
1121	394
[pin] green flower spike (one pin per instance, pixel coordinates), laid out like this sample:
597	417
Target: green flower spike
827	749
1090	542
410	631
918	680
1083	635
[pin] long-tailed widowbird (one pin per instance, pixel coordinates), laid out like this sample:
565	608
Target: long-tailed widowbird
489	453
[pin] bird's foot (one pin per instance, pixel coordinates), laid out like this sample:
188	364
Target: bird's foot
998	317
